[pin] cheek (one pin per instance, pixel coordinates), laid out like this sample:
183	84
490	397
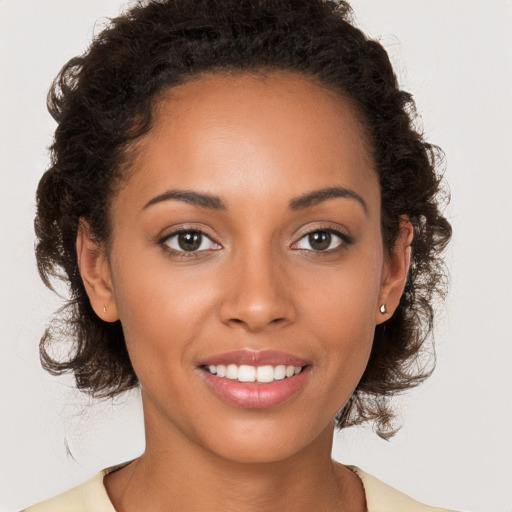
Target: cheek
341	315
345	298
161	312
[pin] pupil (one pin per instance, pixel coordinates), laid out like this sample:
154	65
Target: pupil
320	240
189	241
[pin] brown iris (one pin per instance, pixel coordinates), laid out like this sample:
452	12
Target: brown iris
190	240
320	240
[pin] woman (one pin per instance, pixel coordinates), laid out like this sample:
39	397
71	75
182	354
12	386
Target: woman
250	228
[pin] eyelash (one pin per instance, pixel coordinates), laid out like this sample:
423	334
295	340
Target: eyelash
345	241
184	254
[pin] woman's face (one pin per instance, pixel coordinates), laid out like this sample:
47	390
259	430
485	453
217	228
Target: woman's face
246	240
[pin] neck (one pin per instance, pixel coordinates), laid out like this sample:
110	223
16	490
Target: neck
176	471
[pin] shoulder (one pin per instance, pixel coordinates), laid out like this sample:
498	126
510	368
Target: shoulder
91	496
381	497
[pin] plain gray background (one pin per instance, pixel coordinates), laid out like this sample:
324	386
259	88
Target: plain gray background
455	448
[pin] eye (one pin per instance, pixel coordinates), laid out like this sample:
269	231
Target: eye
322	240
189	240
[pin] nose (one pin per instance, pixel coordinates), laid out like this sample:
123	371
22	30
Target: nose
259	295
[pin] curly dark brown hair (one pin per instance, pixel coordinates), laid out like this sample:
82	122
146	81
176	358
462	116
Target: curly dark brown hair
103	102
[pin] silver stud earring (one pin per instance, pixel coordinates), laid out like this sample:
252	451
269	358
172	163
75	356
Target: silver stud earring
383	309
104	310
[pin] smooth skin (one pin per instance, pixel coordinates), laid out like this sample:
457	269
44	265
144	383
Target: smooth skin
256	279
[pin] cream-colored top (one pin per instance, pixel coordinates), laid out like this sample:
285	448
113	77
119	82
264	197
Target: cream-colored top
92	497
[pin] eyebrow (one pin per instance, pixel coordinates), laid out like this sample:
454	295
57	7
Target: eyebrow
208	201
212	202
318	196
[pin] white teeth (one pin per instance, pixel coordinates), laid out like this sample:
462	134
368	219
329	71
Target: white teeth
232	371
265	374
246	373
280	372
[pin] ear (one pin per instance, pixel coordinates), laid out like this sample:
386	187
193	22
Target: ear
95	271
395	271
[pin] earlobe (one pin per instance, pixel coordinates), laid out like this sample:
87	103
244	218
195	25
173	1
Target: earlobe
95	271
395	272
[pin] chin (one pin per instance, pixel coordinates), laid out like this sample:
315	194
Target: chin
266	441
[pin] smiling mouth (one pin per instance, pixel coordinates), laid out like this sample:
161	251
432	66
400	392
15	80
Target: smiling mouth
255	379
260	374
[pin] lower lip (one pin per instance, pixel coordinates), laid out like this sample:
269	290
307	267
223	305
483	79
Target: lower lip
255	395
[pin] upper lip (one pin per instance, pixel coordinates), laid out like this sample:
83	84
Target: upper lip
254	358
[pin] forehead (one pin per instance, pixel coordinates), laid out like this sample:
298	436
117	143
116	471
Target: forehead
224	133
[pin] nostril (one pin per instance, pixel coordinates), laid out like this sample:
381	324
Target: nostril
256	311
255	324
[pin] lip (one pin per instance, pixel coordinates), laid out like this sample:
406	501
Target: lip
255	358
256	395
